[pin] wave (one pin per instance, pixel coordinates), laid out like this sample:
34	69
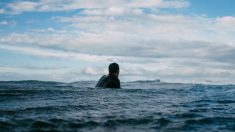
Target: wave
149	106
30	82
81	83
145	123
146	81
55	123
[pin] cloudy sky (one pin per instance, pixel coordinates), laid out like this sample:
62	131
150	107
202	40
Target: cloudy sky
72	40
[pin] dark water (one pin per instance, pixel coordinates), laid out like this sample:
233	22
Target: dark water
139	106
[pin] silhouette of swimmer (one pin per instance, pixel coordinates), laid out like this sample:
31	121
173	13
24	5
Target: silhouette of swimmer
111	80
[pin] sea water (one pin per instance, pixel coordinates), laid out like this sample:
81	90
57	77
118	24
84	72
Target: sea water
138	106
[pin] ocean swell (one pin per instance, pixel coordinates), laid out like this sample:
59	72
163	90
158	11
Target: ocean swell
138	106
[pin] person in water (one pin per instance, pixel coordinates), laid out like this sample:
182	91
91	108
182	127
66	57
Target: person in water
111	80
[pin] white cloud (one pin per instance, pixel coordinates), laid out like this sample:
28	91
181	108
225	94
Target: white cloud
59	54
17	73
147	45
66	5
2	11
22	6
140	35
157	26
5	23
94	71
227	21
160	3
112	11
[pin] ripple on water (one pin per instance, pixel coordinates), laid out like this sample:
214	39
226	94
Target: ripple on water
154	107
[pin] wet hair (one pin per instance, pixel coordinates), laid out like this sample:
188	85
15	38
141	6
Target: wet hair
113	68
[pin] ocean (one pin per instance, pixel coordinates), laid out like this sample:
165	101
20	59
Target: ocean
138	106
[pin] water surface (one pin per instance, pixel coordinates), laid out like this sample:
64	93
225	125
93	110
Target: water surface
138	106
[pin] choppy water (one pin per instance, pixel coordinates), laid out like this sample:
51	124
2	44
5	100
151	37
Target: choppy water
139	106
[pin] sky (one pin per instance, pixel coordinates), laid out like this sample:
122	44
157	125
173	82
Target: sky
74	40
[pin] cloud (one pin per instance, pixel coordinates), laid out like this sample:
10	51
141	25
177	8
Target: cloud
158	26
58	54
45	74
132	36
5	23
146	44
112	11
66	5
2	11
94	71
22	6
227	20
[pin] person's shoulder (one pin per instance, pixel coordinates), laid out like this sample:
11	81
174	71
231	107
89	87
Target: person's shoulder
102	81
104	76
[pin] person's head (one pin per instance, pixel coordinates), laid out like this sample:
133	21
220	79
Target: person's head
114	69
